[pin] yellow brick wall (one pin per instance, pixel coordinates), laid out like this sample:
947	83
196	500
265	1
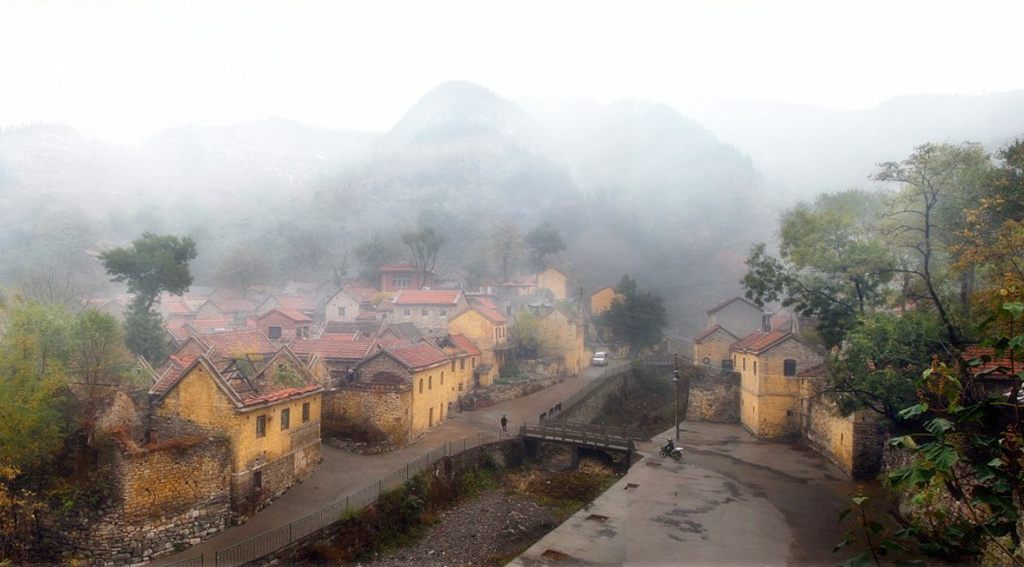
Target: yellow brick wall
554	280
198	399
601	301
770	401
715	348
175	477
430	405
386	408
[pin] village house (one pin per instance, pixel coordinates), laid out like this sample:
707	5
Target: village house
332	358
555	280
289	302
712	347
560	335
403	390
236	311
601	300
403	276
487	328
283	325
349	303
430	310
769	363
269	411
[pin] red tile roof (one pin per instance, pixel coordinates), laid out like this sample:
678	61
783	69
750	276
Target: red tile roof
280	395
362	294
489	311
992	367
760	341
293	314
233	305
399	267
176	305
428	297
238	341
333	348
418	356
816	371
176	367
465	345
295	302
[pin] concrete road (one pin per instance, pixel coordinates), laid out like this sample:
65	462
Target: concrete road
732	500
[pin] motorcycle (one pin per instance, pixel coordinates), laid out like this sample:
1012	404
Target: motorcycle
676	452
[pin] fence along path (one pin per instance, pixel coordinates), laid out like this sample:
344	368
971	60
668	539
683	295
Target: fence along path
278	538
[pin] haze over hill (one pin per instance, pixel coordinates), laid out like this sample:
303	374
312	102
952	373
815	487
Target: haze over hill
672	199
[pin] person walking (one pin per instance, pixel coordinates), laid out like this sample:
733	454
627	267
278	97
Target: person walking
504	423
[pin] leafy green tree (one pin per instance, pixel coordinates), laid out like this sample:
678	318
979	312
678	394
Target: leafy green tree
425	245
924	222
882	360
544	241
32	372
151	265
831	265
526	334
639	317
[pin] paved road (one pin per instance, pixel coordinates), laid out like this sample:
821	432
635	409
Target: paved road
342	473
732	500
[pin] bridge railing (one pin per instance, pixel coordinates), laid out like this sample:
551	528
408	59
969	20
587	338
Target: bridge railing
621	438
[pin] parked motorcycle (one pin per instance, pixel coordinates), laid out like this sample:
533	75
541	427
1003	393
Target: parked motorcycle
676	452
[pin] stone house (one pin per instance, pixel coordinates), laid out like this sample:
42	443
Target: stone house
348	303
561	335
403	276
482	324
553	279
269	412
293	302
711	347
430	310
284	325
237	311
769	363
464	358
404	390
332	358
601	300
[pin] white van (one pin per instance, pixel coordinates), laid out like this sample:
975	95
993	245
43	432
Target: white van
600	359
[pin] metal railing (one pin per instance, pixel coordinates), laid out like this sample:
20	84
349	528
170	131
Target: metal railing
617	438
276	539
583	392
196	561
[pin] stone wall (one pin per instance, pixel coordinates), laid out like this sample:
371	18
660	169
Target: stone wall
714	394
163	499
591	406
855	443
386	407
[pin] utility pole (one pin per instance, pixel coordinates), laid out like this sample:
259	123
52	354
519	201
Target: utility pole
675	382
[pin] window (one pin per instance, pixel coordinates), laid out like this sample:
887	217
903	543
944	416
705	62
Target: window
261	426
274	332
424	312
341	312
430	382
744	364
789	367
305	412
462	364
286	419
755	368
408	312
444	312
442	377
401	281
421	385
257	479
727	364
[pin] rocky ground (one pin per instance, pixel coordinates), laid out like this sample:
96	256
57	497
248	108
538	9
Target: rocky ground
489	530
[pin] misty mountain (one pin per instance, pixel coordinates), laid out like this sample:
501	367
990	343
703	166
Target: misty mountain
805	150
672	199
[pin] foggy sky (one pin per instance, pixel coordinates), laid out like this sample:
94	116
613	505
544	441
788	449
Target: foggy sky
123	70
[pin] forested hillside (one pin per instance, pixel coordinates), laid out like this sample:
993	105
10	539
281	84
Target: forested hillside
633	188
